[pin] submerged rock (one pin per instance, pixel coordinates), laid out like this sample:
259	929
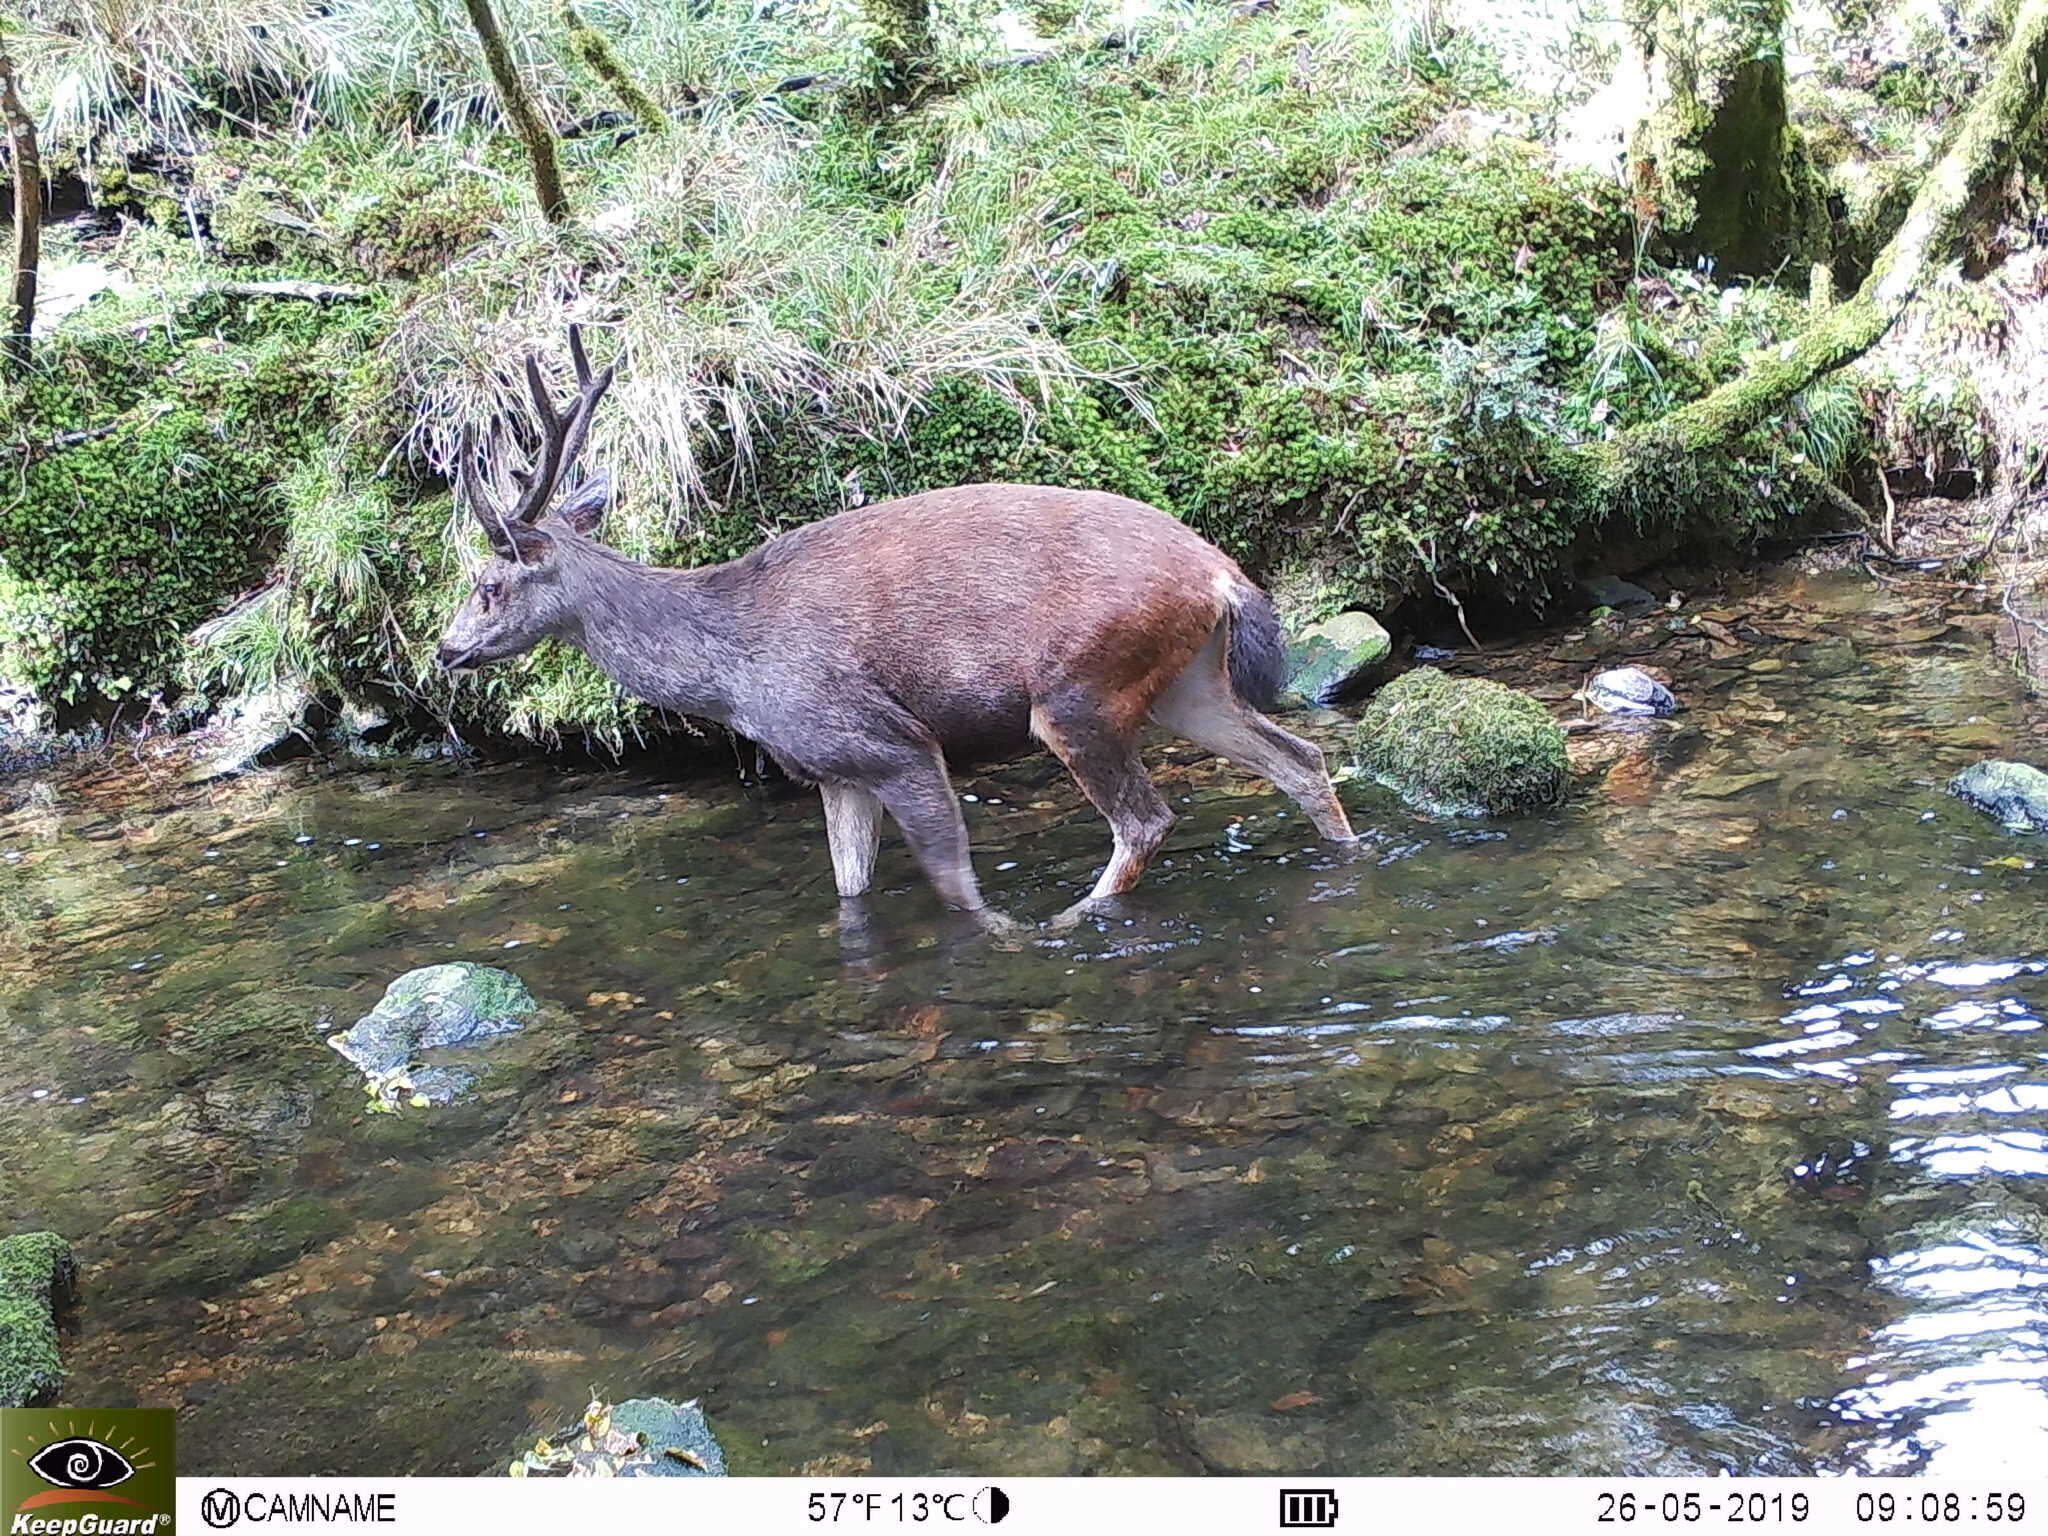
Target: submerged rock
1462	746
1328	660
1726	786
1629	691
2014	793
643	1437
1632	754
431	1008
1253	1444
37	1276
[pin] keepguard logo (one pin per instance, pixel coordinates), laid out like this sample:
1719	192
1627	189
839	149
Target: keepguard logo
74	1472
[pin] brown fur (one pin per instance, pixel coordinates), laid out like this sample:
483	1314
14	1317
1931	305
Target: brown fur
864	649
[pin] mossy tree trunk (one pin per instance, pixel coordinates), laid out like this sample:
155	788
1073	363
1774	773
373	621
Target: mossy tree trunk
1714	158
901	37
521	112
602	60
1948	202
28	216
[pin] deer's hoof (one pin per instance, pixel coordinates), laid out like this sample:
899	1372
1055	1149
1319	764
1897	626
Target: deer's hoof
1082	911
998	925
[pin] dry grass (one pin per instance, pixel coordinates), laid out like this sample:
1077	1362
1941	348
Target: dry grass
742	302
157	70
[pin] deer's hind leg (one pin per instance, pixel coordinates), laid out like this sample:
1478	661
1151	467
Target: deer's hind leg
1201	705
1101	753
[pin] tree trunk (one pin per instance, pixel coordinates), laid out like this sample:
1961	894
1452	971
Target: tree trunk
1714	159
900	35
1949	199
520	111
598	55
28	216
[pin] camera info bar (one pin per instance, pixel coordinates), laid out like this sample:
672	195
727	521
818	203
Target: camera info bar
449	1506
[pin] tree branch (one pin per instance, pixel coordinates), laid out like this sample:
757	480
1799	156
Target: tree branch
597	53
1941	214
520	111
321	293
28	216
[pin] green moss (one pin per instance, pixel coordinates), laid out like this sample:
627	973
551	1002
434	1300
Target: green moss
1717	158
1327	332
1373	378
116	545
601	59
418	225
328	206
898	37
1462	746
36	1274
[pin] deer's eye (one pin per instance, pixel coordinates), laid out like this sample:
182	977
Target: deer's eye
489	592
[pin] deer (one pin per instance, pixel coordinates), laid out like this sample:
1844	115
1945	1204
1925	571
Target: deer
867	650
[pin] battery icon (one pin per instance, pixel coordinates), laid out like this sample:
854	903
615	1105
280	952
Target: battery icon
1308	1509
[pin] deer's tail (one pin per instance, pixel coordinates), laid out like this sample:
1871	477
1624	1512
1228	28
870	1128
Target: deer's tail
1258	660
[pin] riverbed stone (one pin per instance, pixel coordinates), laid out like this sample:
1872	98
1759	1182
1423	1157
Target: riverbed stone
37	1276
1629	691
2013	793
1326	661
642	1437
1459	746
22	714
253	730
361	726
437	1006
668	1427
1726	786
1252	1444
1621	596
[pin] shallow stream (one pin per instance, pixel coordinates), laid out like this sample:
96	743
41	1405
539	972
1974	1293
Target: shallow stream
1700	1125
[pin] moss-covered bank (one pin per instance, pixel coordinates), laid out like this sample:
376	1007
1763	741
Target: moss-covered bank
37	1274
1309	289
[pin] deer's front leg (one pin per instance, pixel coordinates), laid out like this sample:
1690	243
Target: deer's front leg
853	827
920	797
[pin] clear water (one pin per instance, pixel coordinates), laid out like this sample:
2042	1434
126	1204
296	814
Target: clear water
1677	1131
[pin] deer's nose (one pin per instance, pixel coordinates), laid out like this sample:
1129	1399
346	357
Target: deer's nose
450	658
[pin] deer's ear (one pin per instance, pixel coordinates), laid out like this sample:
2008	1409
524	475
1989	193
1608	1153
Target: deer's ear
585	507
518	541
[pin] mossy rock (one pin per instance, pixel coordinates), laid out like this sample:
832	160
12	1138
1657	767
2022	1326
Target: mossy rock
1457	746
436	1006
1338	656
645	1437
2015	794
37	1275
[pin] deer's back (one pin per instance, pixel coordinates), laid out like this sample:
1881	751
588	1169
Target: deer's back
964	604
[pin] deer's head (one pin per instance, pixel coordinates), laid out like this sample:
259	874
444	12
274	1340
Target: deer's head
519	598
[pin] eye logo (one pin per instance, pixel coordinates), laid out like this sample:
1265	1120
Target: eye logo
120	1464
81	1463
